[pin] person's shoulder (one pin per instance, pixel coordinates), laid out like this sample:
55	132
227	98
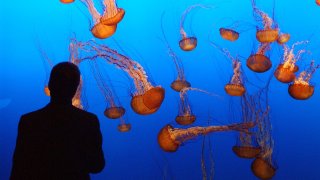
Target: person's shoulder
85	114
33	114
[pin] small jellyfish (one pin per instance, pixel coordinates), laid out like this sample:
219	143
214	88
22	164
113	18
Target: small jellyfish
269	32
185	115
148	98
235	87
124	126
170	138
187	43
66	1
259	62
301	89
46	90
283	38
229	34
285	71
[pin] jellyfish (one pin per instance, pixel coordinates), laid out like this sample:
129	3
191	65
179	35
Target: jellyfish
66	1
269	33
113	110
147	99
124	126
187	43
170	138
259	62
48	64
283	38
286	69
112	14
318	2
185	115
76	100
105	25
301	89
229	34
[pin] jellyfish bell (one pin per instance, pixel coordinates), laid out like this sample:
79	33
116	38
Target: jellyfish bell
165	141
300	91
283	38
124	127
114	112
267	35
178	85
149	102
67	1
102	31
229	34
188	43
234	89
262	169
259	63
247	152
318	2
285	74
47	91
109	21
185	119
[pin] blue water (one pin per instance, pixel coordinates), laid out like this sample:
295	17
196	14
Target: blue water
28	26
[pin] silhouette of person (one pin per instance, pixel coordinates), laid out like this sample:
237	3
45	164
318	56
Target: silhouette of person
59	141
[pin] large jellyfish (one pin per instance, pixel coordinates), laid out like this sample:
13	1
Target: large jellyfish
301	89
286	69
105	25
113	110
259	62
170	138
148	98
187	43
318	2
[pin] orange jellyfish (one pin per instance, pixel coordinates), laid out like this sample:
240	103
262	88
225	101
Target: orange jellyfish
112	14
48	64
67	1
259	62
301	89
235	87
148	98
285	71
76	100
170	138
229	34
269	33
187	43
283	38
113	110
185	115
99	30
124	126
318	2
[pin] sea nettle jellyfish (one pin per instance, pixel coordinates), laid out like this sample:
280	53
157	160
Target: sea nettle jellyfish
66	1
318	2
124	126
269	32
170	138
229	34
113	110
147	99
285	71
235	87
259	62
301	89
105	25
283	38
187	43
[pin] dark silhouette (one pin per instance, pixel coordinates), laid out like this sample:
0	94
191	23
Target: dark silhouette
59	141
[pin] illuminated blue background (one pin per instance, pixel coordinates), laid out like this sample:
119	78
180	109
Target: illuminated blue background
28	25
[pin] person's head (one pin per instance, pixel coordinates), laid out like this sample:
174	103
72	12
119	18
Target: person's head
64	80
